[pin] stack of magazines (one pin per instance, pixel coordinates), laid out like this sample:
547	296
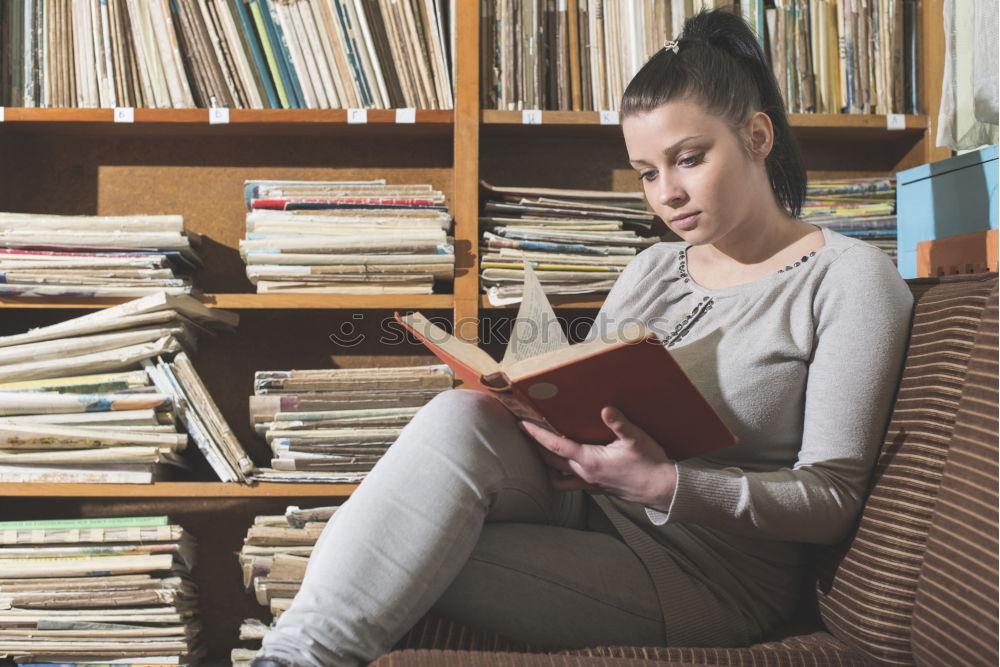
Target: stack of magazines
308	237
334	425
101	256
93	399
273	559
864	208
259	54
577	241
86	591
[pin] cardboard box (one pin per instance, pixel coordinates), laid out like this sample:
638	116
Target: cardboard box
943	199
966	253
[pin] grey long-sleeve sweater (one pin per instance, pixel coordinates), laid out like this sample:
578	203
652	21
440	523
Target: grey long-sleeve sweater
802	365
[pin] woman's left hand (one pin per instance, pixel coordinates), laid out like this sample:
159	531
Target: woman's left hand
632	467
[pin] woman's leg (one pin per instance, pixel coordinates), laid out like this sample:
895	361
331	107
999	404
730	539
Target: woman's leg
397	544
555	587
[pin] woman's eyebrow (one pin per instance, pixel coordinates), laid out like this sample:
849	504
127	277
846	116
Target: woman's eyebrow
670	150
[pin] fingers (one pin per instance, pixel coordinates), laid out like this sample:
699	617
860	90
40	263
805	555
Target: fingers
619	424
556	444
562	482
553	461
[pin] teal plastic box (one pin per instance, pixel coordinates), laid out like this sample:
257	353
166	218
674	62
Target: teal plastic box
941	199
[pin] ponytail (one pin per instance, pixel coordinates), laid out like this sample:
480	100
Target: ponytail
718	62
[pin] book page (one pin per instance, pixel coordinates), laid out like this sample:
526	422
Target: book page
536	330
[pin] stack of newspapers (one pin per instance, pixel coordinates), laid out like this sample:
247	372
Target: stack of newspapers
864	208
577	241
102	256
112	396
98	591
334	425
308	237
273	559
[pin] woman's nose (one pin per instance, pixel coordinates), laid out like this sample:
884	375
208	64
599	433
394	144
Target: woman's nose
671	194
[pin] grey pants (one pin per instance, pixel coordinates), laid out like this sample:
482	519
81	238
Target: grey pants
459	517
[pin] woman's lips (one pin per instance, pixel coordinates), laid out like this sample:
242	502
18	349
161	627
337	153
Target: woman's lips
686	223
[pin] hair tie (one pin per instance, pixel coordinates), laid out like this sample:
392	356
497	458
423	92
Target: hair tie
672	45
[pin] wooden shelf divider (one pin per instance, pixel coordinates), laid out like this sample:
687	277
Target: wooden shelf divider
176	490
255	302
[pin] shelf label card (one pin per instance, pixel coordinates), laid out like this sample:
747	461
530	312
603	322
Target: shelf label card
2	119
895	121
218	116
609	117
406	115
124	115
357	116
531	117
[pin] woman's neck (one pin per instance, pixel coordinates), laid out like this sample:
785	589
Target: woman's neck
753	250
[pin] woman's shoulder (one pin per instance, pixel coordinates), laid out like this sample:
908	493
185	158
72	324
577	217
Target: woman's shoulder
853	259
859	273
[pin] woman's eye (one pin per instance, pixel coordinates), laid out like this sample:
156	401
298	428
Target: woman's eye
690	160
647	175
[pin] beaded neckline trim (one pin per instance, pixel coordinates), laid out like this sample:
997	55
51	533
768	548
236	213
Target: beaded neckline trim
682	264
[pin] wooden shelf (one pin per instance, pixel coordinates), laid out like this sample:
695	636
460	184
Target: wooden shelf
328	301
257	302
176	490
241	121
838	122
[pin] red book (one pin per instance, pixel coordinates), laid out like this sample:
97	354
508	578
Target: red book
566	388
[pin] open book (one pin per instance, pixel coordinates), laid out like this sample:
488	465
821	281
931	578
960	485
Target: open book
543	378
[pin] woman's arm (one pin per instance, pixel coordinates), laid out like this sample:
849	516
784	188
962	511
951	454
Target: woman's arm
862	314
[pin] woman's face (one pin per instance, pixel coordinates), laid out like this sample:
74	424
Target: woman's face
695	170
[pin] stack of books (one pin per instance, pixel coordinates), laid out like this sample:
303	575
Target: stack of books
94	256
309	237
273	559
258	54
90	591
579	55
574	55
850	57
864	208
577	241
92	399
334	425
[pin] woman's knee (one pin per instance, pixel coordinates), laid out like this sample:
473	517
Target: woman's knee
466	406
462	422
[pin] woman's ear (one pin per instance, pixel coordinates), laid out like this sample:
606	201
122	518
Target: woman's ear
760	135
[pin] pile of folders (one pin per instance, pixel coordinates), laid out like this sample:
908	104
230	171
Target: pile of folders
334	425
100	590
274	556
113	397
576	241
95	255
309	237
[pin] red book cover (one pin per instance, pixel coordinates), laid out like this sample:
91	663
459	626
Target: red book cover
567	388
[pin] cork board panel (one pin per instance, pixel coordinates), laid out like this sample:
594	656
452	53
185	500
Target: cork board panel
201	178
598	162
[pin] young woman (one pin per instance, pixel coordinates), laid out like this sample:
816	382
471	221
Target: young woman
793	333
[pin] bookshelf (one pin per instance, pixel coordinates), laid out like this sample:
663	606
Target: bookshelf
79	161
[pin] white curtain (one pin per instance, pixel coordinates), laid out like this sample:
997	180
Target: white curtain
968	116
